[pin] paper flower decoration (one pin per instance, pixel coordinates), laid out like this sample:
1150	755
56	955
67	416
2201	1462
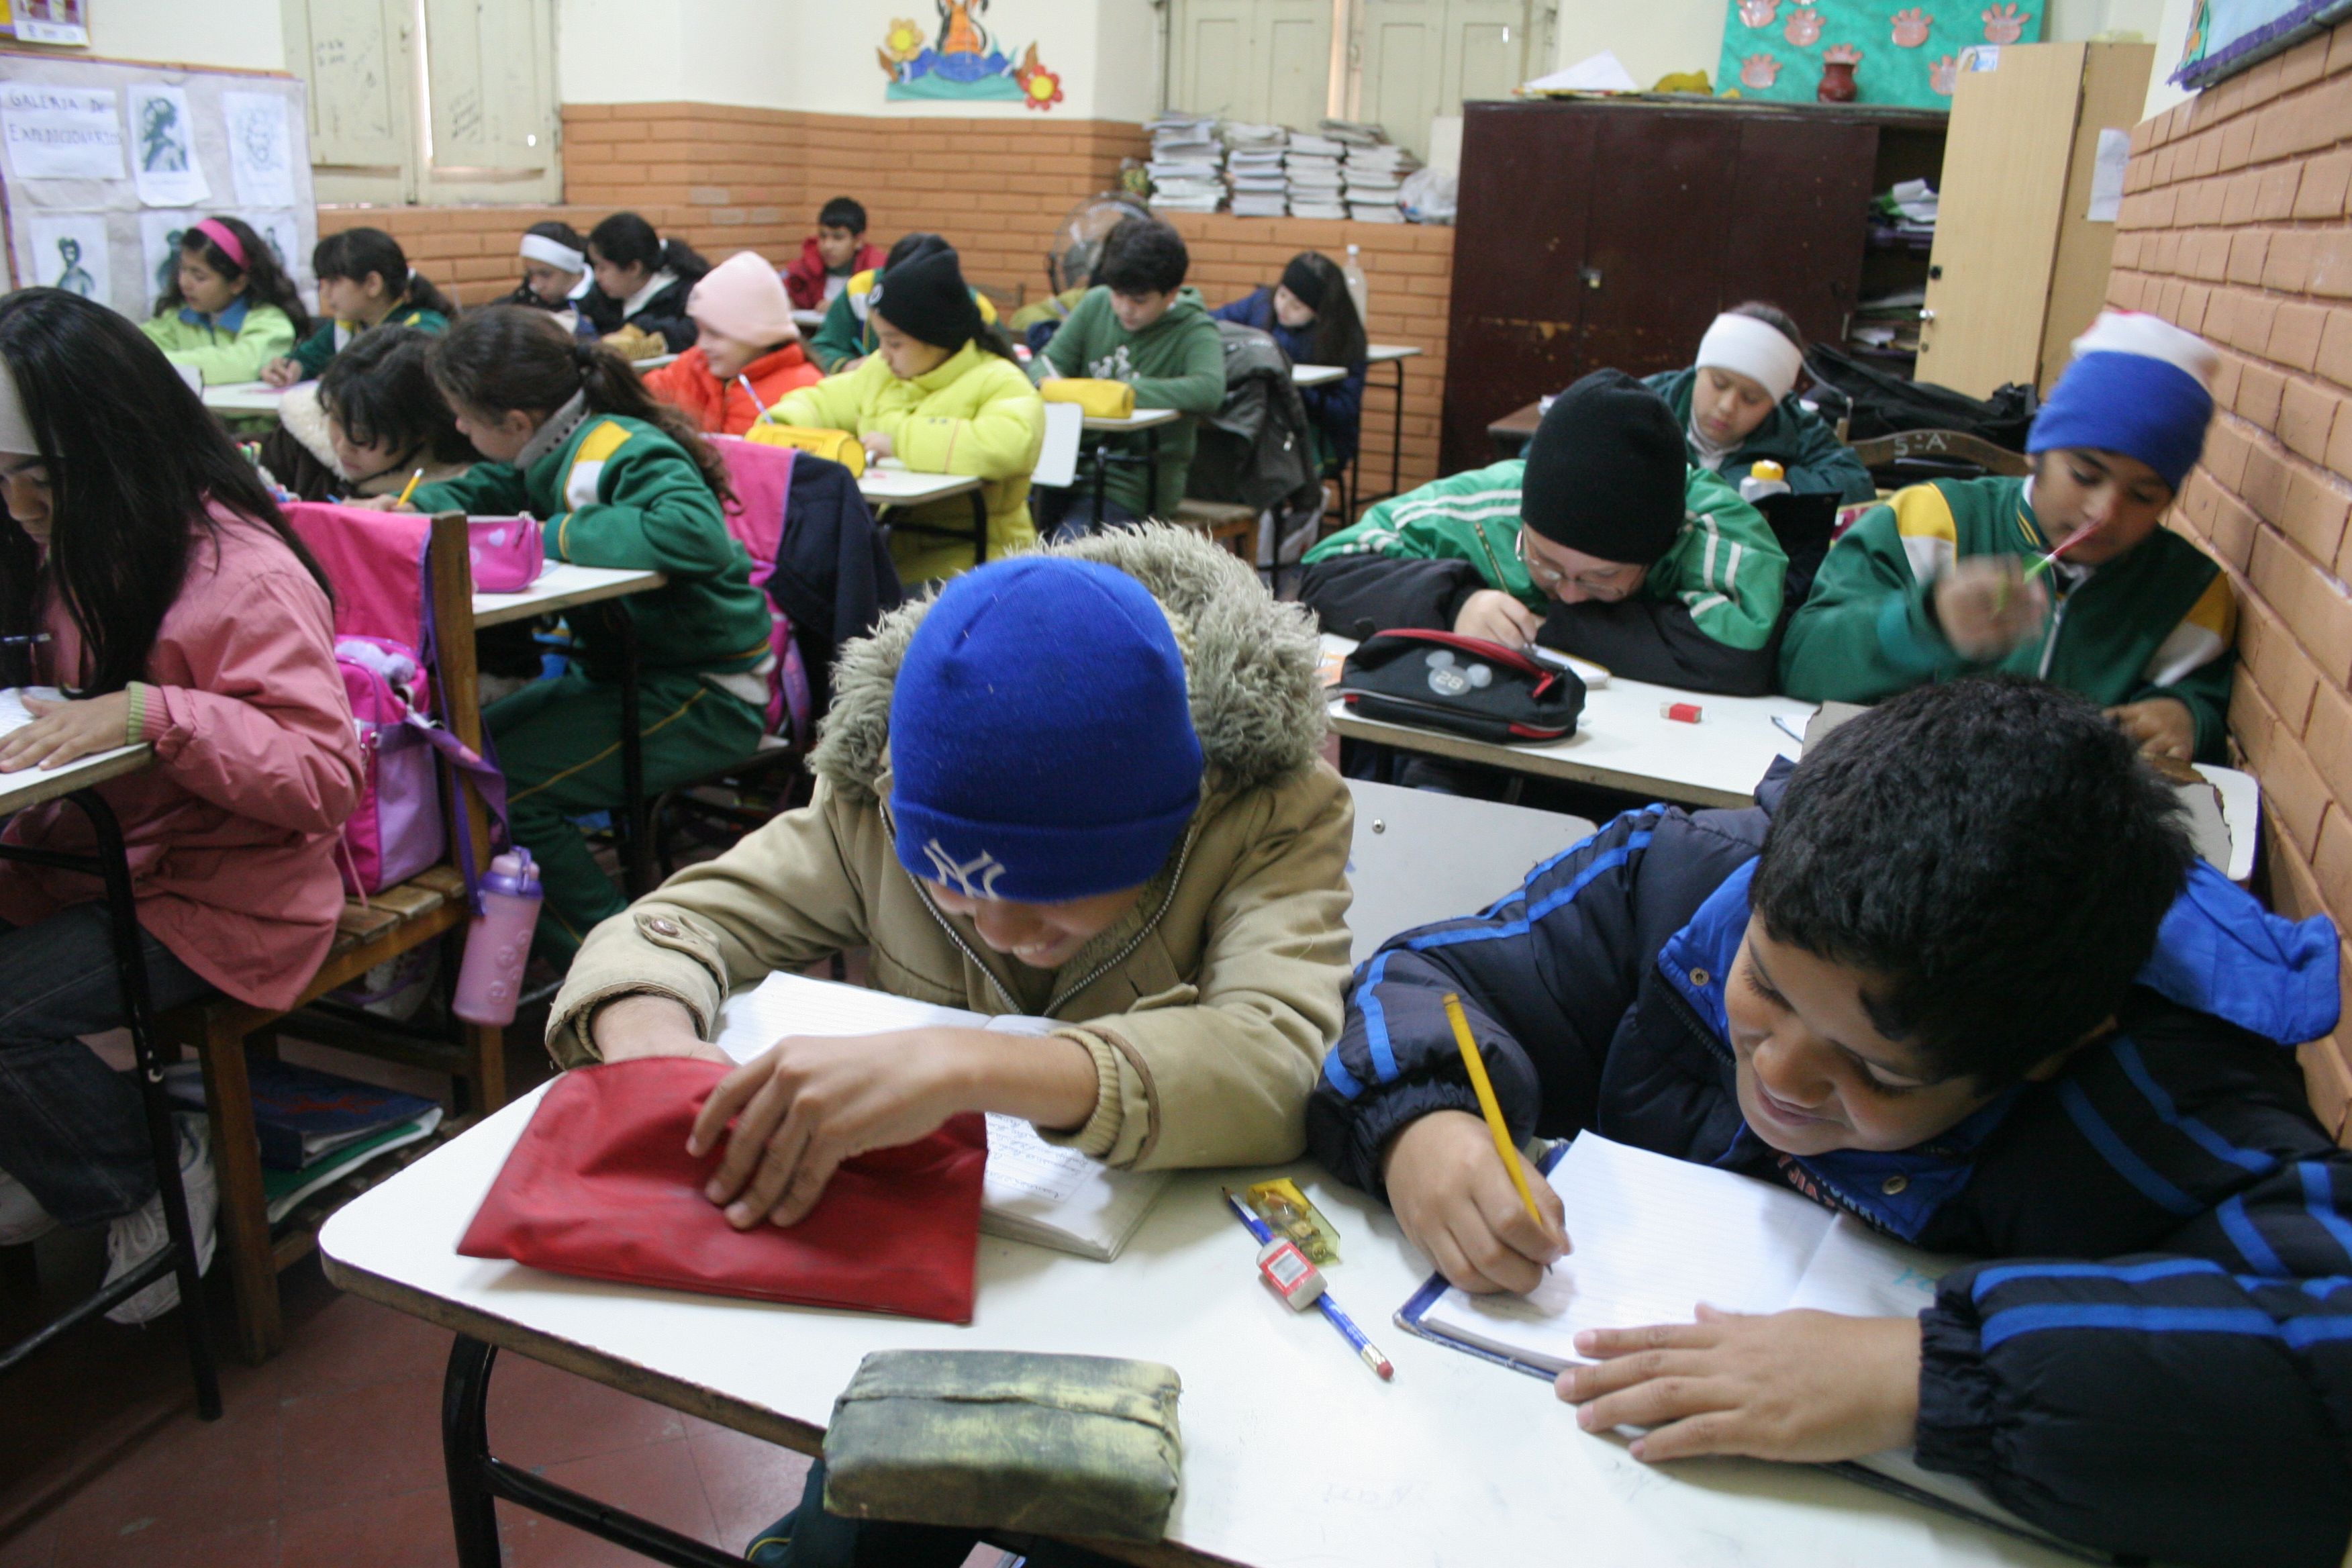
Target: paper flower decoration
1759	71
1911	27
1943	74
2003	24
1759	12
1804	26
903	42
1040	89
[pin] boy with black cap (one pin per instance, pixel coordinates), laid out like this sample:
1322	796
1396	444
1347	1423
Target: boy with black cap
1603	542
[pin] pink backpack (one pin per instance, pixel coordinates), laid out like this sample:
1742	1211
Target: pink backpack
762	478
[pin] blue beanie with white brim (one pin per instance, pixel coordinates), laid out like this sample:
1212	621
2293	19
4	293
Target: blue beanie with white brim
2138	386
1042	746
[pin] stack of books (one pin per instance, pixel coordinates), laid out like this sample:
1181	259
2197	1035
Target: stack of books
1187	165
1888	323
1312	169
316	1127
1254	169
1375	177
1907	213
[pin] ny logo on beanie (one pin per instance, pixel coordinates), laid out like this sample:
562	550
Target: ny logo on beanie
984	867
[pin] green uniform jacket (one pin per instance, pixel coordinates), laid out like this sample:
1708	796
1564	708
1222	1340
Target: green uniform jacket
617	492
1178	361
230	347
846	333
327	341
2154	622
1793	436
974	414
1702	619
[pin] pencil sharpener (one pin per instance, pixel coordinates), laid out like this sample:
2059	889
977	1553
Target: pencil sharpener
1288	1273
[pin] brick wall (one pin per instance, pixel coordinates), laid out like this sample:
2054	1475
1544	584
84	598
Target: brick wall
726	179
2234	226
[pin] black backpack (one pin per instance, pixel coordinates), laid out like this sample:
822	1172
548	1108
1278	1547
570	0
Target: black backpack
1256	449
1877	403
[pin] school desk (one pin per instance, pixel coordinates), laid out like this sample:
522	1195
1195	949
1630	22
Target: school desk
1149	421
1394	356
808	320
1514	430
1306	375
244	397
1398	884
78	781
1295	1456
565	587
887	485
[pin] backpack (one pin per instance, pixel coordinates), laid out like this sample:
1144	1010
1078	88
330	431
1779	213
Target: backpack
761	478
396	830
1258	449
1877	403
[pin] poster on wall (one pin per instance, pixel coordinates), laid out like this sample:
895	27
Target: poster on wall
60	133
259	149
1904	54
160	234
2226	37
49	22
70	252
962	61
282	232
164	148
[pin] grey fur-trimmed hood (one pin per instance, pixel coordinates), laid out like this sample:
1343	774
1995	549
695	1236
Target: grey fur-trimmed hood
1252	664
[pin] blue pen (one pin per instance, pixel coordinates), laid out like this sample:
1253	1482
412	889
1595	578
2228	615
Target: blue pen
1341	1321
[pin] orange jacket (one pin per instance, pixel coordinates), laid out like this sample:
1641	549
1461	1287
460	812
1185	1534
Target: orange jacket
686	383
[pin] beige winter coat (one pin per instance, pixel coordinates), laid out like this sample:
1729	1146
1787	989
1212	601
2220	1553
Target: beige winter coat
1208	1009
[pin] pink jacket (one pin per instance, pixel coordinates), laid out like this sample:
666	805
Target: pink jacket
232	834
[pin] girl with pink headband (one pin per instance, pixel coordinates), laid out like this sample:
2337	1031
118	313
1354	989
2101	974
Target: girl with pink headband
227	307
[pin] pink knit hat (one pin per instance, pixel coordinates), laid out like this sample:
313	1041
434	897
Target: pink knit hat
743	298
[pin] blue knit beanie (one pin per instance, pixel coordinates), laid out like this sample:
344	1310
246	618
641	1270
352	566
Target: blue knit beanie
2138	386
1041	741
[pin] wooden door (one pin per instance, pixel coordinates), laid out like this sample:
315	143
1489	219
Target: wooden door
1518	245
1664	188
1263	61
356	55
1420	59
1798	220
490	97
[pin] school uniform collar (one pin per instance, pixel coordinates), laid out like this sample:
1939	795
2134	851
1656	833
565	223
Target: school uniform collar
645	296
559	428
230	320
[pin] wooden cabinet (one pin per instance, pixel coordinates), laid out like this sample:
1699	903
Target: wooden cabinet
1610	233
2019	270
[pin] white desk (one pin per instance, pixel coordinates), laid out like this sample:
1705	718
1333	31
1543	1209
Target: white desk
1388	354
560	587
1398	883
33	786
1317	374
1141	419
885	488
1621	741
808	320
246	396
1149	421
1294	1455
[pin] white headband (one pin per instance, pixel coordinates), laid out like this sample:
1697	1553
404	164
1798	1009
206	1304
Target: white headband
1757	350
554	252
2151	336
16	430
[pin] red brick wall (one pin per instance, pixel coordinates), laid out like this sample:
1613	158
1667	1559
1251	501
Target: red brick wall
727	179
2234	226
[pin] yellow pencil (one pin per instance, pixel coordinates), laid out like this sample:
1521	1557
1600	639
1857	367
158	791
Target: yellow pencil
1488	1108
410	487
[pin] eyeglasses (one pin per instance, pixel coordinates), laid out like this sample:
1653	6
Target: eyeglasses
1606	586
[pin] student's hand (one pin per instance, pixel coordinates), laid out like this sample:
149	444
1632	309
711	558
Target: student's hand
1498	618
379	503
281	372
845	366
63	731
1804	1387
649	1025
2161	727
1986	606
1457	1205
811	1101
877	443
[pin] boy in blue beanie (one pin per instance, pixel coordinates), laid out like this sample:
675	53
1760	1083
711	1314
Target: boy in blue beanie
1940	581
1082	784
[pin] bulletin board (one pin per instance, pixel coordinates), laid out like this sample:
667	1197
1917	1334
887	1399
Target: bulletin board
1904	52
104	164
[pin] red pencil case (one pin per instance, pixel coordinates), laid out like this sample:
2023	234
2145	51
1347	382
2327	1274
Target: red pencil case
600	1186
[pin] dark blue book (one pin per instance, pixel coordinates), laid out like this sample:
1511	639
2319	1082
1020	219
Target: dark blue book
301	1113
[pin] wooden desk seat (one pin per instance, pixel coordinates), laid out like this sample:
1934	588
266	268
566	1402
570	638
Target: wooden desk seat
1228	523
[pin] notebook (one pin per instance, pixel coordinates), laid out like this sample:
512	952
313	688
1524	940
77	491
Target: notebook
1034	1191
14	714
301	1113
1655	1236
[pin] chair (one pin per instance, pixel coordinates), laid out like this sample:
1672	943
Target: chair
383	927
1006	300
1933	453
1228	523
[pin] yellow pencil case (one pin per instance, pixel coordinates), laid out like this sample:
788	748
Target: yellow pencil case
838	445
1100	399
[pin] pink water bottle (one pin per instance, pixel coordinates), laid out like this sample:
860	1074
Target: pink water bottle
490	979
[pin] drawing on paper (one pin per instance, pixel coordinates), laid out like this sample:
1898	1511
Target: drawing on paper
962	60
162	136
69	252
260	152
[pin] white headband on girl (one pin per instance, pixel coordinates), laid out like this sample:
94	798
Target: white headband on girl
1757	350
16	438
554	252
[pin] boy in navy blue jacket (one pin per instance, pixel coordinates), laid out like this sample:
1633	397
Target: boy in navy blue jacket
1962	977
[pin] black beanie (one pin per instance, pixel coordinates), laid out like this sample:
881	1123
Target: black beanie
1606	471
925	297
1304	281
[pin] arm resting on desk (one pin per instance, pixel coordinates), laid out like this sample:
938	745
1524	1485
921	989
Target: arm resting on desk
1356	595
1656	641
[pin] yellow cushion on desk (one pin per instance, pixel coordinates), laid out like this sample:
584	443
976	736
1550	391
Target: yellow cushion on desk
838	445
1100	399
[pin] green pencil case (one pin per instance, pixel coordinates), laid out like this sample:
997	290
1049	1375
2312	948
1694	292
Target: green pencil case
1055	1445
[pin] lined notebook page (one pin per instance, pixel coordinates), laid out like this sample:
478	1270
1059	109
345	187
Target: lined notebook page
1654	1236
13	714
1862	1274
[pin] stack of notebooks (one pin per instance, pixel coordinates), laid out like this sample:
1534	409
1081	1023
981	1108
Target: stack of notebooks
1254	169
316	1127
1375	177
1187	165
1906	213
1889	322
1312	168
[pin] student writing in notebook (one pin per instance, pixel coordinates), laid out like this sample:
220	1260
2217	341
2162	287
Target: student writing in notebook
1961	976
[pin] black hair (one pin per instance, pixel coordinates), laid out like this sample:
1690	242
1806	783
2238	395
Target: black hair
625	239
1339	331
122	532
1142	256
356	252
843	211
511	356
380	390
266	281
1771	315
1994	851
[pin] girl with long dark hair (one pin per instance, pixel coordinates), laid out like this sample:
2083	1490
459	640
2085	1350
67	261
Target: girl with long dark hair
167	601
1313	317
230	308
569	436
642	283
365	281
